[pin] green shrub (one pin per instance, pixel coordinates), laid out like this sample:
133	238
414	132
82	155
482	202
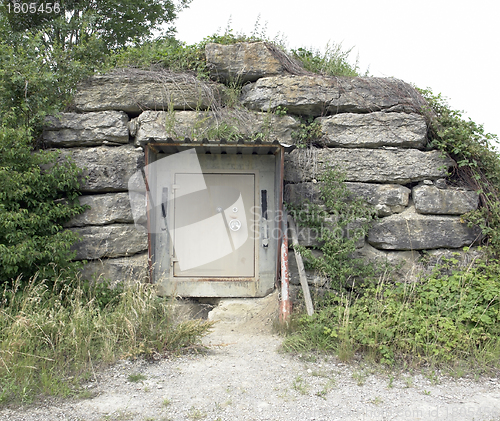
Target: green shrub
167	53
341	223
308	133
37	194
478	163
36	79
444	320
36	197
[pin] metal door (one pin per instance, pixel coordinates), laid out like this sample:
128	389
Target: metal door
213	228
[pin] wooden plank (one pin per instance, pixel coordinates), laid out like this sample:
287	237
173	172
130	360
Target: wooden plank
300	266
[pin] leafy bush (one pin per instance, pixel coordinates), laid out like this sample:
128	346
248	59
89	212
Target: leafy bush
36	197
37	194
37	79
445	319
52	337
478	163
341	222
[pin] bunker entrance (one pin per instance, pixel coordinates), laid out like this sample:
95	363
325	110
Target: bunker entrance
214	217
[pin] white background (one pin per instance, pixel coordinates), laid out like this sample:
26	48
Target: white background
449	46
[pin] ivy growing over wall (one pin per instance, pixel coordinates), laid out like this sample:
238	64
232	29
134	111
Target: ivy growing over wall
478	162
342	222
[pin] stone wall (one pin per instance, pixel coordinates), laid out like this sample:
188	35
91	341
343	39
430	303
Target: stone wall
372	129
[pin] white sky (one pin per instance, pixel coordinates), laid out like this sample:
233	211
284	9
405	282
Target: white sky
451	46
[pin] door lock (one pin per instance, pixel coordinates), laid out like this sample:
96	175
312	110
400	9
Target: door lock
234	225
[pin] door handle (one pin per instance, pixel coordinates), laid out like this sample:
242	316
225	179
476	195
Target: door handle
164	204
265	228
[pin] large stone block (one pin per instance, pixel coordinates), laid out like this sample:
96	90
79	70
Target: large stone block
396	265
106	169
312	236
386	198
400	166
241	62
104	209
431	200
317	95
158	126
412	231
133	91
118	270
446	260
374	130
114	240
313	277
69	130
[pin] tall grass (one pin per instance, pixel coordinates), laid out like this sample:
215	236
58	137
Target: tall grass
334	61
54	335
447	319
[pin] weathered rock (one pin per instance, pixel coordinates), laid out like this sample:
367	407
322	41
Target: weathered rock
413	231
313	278
114	240
386	198
119	270
107	169
158	126
241	62
374	130
315	95
133	91
308	237
297	194
400	166
70	129
431	200
104	209
441	183
447	260
397	265
311	237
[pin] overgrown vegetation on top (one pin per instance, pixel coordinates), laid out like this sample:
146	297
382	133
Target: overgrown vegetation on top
172	54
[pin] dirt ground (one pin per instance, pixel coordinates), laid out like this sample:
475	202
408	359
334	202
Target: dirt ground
243	376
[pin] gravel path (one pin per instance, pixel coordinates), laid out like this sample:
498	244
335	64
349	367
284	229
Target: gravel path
243	376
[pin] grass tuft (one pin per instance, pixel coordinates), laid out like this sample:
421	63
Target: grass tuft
53	338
